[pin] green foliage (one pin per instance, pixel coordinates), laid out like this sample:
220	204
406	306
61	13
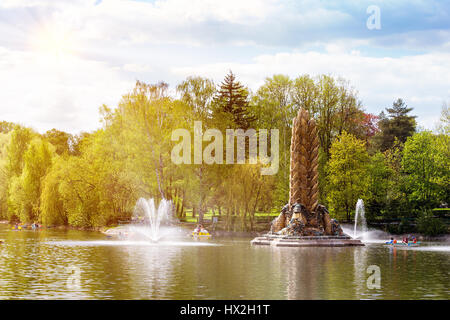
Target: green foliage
20	138
348	174
59	139
378	173
331	102
16	200
4	142
398	125
6	127
426	163
429	225
17	179
37	161
404	226
25	190
232	99
94	179
198	94
52	207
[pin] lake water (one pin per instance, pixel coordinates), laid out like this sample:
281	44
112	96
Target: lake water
55	264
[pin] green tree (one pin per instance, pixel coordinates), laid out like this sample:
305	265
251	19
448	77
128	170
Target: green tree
378	173
398	124
37	161
397	204
198	94
59	139
444	125
52	207
273	107
143	124
4	142
348	178
232	99
20	138
426	163
6	127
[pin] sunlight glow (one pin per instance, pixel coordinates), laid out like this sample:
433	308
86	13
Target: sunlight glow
55	41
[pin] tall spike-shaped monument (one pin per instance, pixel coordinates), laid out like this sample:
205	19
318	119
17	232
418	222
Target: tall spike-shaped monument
304	183
303	221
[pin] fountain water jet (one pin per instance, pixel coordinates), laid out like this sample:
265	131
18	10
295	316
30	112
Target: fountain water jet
360	215
149	224
145	210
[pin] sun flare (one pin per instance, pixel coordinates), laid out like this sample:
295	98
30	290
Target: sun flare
54	41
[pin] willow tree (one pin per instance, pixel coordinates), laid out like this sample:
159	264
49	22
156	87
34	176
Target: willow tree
197	94
25	190
273	107
20	138
4	141
146	118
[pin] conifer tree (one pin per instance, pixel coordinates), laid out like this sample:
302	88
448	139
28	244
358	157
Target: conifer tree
232	98
397	124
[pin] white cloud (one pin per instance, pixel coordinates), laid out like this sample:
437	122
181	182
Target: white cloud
423	81
102	47
42	3
137	68
47	93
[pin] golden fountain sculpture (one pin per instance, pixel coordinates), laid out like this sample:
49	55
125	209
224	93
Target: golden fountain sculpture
303	221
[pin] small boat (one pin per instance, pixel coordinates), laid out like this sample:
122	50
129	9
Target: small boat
202	235
403	244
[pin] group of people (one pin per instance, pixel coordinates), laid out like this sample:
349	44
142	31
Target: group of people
20	226
200	229
405	240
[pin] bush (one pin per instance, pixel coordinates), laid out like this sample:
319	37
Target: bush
428	225
404	226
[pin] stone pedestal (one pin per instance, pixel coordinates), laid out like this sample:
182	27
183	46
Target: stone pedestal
294	241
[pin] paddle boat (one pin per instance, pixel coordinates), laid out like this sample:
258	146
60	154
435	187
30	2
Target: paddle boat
200	233
404	243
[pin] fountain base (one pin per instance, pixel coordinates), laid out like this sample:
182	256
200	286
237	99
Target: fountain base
306	241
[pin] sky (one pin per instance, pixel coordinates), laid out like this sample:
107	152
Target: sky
61	60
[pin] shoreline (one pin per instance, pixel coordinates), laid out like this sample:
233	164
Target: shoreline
235	234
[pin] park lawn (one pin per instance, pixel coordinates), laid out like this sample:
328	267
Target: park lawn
208	215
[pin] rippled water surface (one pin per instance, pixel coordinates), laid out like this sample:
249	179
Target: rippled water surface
85	265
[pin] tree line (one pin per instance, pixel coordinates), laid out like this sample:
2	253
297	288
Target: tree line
95	178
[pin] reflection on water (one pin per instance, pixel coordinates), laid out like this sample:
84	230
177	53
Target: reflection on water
37	265
131	243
